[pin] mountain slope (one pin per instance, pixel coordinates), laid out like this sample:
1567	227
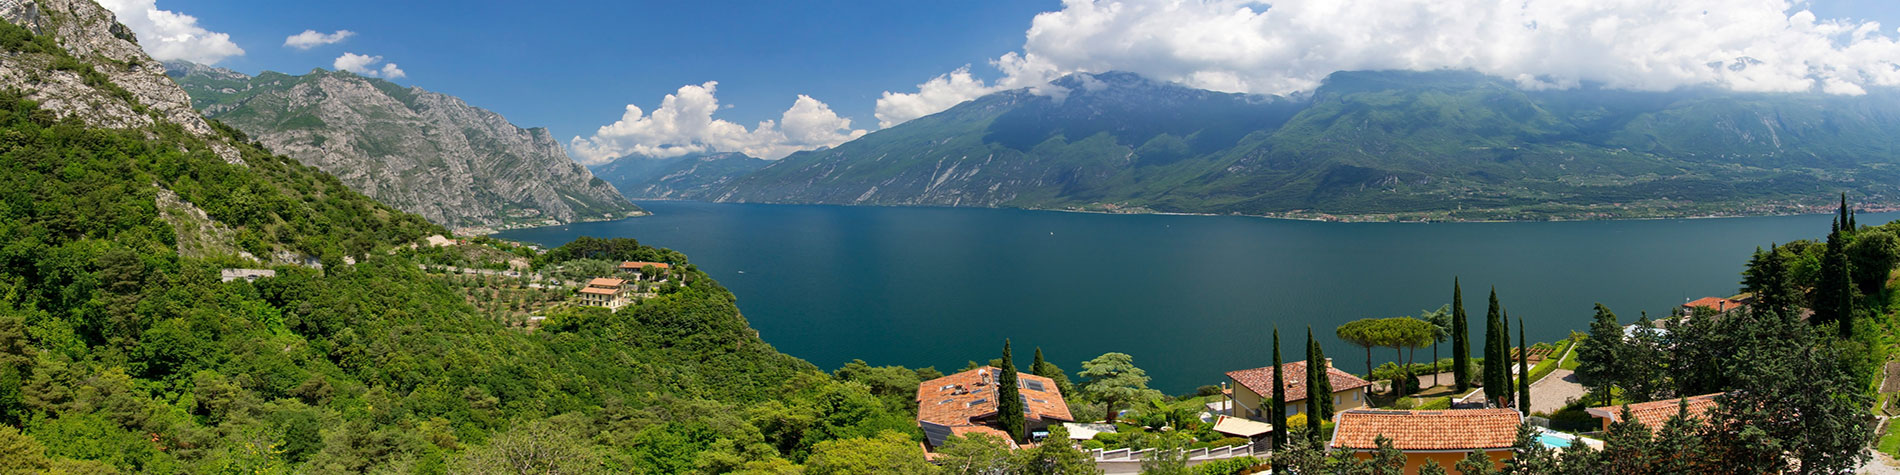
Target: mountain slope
420	151
122	352
687	175
1373	145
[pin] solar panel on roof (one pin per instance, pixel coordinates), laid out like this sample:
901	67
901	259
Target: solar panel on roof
979	401
1036	385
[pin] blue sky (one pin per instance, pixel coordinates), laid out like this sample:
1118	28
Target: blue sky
573	67
613	78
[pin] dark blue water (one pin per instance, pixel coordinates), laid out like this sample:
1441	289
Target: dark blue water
1191	297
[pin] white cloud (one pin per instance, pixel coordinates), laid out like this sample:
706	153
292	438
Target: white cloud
684	124
311	39
168	35
363	64
1292	45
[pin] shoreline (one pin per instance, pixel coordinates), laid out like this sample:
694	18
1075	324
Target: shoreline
1327	218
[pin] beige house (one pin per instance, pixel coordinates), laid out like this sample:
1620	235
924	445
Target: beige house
603	292
1444	436
1253	387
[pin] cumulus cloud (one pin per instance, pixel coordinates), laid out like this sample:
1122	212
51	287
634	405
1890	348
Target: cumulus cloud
311	39
364	65
1292	45
684	124
168	35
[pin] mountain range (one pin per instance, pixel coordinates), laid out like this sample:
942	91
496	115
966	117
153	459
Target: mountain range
690	175
423	152
1373	145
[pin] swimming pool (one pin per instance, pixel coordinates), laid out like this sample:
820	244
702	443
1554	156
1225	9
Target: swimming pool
1553	441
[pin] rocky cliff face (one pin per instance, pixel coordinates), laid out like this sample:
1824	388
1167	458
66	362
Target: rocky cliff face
91	35
423	152
684	177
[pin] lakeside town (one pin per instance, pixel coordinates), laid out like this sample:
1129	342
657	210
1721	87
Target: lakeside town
1596	392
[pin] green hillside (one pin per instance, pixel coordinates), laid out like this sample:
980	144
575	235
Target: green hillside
1366	145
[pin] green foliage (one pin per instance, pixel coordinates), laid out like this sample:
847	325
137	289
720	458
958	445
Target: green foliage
1232	466
610	249
889	452
1460	332
1049	370
1319	385
1010	407
1596	356
978	454
1113	379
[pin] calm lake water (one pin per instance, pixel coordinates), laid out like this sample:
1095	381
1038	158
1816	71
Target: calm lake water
1191	297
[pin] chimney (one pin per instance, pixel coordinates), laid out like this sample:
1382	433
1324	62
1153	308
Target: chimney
1329	363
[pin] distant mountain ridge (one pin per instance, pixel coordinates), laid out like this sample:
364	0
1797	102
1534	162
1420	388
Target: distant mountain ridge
1370	144
423	152
641	177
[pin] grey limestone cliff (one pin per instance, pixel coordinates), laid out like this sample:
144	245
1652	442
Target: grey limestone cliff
424	152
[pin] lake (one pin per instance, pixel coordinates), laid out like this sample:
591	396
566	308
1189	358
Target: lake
1190	297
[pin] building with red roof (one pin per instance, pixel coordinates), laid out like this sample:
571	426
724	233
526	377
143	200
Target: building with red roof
1253	387
1718	304
1654	413
1445	436
965	403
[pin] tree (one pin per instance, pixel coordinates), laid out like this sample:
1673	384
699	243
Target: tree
1767	277
1167	452
1476	463
1319	384
1460	349
1055	456
1873	255
1386	459
1494	359
1678	446
1626	445
1533	457
1817	421
1596	355
975	454
889	452
1440	320
1009	399
1364	333
1834	292
1277	408
1431	467
1050	370
1504	348
1523	371
1113	378
1642	363
546	446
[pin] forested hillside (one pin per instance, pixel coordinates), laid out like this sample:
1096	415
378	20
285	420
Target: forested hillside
119	353
1369	145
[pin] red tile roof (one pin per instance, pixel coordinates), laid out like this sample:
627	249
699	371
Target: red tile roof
632	265
1451	429
605	282
1654	413
1717	303
598	291
965	398
1260	380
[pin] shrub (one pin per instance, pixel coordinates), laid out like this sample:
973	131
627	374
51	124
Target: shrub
1436	404
1208	390
1230	466
1574	419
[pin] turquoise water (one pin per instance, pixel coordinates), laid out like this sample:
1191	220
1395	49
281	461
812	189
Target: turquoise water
1190	297
1553	441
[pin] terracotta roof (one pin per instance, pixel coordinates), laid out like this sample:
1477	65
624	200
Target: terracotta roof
1260	380
639	264
605	282
1452	429
969	397
598	291
1717	303
1654	413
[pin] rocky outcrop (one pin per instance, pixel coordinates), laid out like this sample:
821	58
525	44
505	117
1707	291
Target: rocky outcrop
424	152
91	34
683	177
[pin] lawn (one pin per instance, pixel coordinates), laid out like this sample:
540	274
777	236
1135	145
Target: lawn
1890	442
1548	365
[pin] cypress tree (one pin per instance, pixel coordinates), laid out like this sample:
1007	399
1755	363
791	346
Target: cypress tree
1504	348
1044	369
1460	349
1493	386
1276	411
1523	371
1319	384
1834	293
1009	400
